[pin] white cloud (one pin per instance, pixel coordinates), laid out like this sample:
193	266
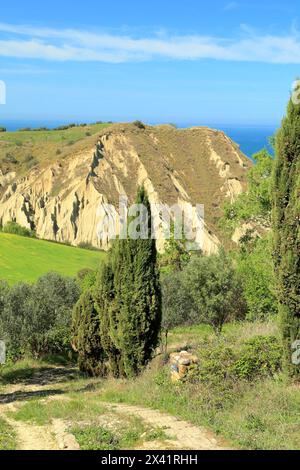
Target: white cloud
75	45
230	6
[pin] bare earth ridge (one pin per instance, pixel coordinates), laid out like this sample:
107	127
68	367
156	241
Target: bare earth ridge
61	200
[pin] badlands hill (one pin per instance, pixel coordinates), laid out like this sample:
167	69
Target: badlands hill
54	185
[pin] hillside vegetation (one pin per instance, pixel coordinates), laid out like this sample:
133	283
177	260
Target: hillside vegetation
26	259
22	150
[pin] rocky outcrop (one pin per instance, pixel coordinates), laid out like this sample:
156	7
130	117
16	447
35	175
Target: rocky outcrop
61	202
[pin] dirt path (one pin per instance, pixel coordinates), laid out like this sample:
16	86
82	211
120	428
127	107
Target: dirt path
181	434
185	435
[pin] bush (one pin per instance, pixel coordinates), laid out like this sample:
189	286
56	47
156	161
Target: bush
223	365
215	289
16	229
30	161
139	124
9	158
260	356
216	364
177	306
255	266
36	319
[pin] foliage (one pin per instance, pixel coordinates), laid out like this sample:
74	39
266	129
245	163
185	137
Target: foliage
207	290
16	229
137	296
86	278
139	124
128	300
222	362
7	436
35	319
255	266
9	158
95	437
254	205
215	289
216	364
254	257
177	304
107	308
286	224
260	356
86	338
176	255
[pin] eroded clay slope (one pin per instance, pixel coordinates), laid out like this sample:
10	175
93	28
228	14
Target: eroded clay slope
197	165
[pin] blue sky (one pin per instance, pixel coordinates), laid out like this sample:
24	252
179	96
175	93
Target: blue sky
187	62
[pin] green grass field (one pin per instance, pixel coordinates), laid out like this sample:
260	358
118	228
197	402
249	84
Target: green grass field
26	259
73	134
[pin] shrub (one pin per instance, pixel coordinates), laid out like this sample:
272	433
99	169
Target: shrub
36	319
2	129
30	161
16	229
9	158
260	356
215	289
223	365
177	305
139	124
255	266
216	361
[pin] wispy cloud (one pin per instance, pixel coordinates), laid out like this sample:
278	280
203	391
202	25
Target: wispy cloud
27	42
230	6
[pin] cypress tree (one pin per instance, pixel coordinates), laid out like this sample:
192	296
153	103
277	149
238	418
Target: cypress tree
86	336
106	307
137	296
286	224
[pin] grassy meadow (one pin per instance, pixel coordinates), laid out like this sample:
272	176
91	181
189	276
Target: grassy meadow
65	135
26	259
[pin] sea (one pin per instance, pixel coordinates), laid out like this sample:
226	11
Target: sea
251	139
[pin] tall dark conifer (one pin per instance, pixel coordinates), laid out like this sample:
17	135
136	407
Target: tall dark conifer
86	336
138	296
286	223
104	294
